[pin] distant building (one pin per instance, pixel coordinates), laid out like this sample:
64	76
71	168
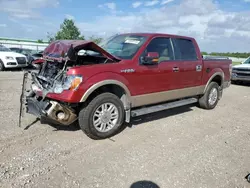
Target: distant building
23	43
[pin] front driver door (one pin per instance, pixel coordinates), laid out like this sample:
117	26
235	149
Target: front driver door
153	81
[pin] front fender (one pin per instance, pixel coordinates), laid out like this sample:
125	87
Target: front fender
101	79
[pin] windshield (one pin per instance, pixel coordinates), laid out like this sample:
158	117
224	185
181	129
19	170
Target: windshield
123	46
247	61
4	49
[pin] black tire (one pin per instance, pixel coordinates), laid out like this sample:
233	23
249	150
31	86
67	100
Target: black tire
248	178
234	82
204	100
1	66
85	117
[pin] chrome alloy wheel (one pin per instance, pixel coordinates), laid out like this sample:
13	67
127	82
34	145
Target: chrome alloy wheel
213	96
105	117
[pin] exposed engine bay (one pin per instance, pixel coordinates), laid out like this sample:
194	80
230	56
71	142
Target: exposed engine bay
52	77
62	55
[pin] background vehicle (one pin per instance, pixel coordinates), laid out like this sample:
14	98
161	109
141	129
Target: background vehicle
127	76
241	73
30	54
10	59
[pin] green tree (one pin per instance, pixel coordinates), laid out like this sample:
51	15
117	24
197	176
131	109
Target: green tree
40	40
97	40
68	31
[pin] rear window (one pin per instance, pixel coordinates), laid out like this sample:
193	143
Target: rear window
184	49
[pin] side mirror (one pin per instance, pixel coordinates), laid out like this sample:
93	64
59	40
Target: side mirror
151	58
81	52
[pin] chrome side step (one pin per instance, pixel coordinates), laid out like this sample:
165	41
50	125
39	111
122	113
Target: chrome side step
161	107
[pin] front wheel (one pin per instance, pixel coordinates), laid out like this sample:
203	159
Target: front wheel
103	117
211	97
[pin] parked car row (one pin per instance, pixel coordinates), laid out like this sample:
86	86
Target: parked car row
30	54
17	57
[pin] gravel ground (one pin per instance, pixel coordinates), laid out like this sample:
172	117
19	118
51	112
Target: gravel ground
184	147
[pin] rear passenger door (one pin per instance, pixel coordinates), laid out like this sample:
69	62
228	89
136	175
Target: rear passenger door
189	64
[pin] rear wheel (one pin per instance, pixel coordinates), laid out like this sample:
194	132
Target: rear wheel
1	65
211	97
103	117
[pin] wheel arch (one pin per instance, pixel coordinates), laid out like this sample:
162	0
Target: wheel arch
1	62
116	87
217	77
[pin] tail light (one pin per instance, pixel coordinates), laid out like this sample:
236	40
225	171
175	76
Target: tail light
230	69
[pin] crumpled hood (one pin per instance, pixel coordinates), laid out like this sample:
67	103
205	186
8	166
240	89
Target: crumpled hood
67	49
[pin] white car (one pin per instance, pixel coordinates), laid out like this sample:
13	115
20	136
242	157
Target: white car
241	72
10	59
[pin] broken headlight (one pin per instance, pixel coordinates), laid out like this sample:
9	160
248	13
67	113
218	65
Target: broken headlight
71	82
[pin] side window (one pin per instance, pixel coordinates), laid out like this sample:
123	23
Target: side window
184	49
162	46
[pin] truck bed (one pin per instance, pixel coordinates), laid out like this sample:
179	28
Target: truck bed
215	65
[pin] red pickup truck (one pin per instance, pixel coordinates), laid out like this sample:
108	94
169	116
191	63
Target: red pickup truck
103	86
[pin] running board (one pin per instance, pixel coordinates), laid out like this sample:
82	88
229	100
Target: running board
161	107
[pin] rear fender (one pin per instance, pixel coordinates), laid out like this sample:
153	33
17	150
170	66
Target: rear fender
212	75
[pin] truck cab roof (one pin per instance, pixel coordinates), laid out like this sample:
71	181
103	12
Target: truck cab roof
159	34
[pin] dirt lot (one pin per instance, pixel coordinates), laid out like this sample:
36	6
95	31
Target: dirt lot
185	147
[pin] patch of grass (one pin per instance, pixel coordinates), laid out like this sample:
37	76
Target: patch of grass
236	63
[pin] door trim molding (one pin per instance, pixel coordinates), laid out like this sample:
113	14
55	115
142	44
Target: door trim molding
164	96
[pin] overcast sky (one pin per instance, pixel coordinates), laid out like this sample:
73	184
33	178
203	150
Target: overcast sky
221	25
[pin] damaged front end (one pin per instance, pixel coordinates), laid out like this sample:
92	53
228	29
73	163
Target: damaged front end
52	78
34	101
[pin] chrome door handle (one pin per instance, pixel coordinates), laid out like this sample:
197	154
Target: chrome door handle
176	69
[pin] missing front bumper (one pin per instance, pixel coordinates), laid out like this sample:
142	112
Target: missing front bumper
52	110
44	108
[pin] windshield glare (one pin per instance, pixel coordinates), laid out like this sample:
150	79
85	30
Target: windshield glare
124	46
4	49
247	61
